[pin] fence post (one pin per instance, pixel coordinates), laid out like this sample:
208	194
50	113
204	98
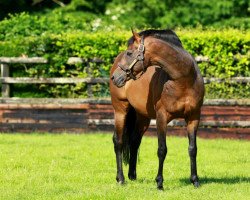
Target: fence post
89	85
5	71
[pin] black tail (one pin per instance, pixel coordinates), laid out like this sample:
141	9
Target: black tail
127	135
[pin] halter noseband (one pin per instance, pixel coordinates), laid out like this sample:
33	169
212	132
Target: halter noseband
139	57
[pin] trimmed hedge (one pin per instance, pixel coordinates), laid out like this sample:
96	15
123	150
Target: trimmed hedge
228	51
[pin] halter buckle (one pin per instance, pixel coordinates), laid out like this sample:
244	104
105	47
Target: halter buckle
141	48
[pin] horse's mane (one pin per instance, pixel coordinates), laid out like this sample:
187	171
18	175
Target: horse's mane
166	35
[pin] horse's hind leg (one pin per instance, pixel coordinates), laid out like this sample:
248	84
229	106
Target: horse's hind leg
161	120
192	126
141	126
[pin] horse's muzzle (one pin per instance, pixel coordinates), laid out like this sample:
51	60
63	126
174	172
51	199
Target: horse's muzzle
119	78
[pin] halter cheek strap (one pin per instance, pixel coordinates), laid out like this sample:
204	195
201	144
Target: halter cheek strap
139	57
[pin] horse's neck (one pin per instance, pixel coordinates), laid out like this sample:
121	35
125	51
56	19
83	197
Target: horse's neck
173	60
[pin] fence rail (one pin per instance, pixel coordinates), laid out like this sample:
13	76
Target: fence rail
96	101
5	80
27	80
9	80
84	115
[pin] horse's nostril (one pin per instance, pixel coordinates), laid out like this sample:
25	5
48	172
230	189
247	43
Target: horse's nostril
112	78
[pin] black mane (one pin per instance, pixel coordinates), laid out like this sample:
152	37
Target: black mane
166	35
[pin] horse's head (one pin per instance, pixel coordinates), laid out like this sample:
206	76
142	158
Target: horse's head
131	65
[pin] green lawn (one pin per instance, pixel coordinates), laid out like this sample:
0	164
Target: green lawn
45	166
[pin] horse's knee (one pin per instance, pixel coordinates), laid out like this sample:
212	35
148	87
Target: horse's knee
117	142
192	150
162	152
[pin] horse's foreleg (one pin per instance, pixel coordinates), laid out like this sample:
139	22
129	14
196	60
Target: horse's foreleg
161	121
141	126
117	139
192	126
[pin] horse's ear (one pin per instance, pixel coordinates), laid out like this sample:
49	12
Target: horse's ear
136	36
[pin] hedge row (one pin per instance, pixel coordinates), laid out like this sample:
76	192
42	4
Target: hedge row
227	50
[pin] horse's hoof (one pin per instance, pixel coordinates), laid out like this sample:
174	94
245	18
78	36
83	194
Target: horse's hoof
195	180
196	184
160	187
132	177
159	181
121	182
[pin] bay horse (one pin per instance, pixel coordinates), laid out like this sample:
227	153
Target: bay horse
155	78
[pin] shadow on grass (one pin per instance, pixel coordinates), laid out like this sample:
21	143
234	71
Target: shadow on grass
221	180
143	180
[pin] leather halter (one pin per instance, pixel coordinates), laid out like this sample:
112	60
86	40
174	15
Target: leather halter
138	57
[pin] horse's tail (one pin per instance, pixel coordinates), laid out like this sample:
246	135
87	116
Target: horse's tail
127	135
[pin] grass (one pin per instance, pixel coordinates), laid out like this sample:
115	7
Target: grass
45	166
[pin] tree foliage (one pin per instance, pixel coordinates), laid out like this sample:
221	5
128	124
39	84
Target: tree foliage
227	50
145	13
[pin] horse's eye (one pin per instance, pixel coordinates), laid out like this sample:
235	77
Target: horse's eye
129	53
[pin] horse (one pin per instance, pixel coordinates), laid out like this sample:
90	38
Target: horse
155	78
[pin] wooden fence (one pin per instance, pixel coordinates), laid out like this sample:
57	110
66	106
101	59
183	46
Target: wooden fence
222	118
6	80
